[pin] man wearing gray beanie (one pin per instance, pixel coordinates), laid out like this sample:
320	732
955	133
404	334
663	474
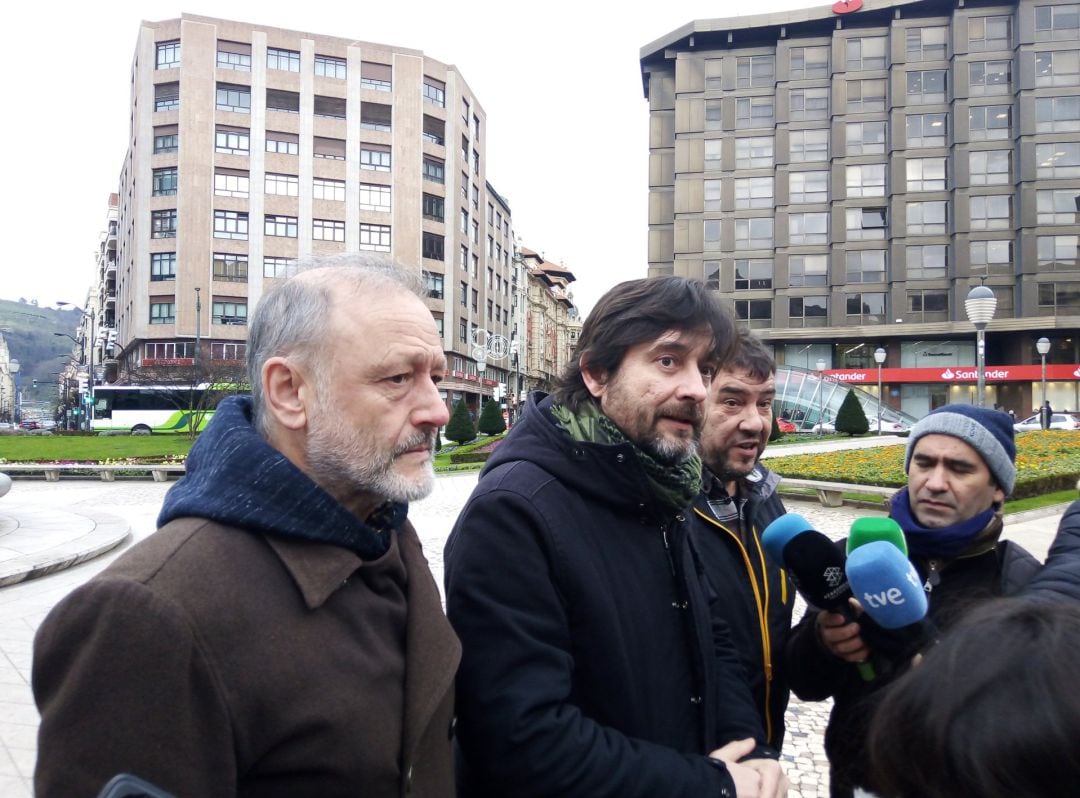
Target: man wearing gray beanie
960	463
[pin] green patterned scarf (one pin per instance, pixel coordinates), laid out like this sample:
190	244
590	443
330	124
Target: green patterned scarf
674	486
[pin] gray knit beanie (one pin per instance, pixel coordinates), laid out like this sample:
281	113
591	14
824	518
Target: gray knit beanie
989	432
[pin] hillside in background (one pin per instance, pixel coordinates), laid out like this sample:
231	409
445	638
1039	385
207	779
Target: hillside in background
28	330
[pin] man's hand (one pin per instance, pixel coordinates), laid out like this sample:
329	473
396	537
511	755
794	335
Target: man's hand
840	637
756	778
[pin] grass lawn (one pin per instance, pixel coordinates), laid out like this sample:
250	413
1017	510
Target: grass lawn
49	448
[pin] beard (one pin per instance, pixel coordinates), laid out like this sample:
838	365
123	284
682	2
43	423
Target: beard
348	462
669	448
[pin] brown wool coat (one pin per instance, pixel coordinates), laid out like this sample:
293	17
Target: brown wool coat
215	662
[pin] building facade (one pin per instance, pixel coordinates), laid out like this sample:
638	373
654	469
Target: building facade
845	176
252	148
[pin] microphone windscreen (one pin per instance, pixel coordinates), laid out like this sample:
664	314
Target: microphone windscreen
780	531
816	564
867	530
886	584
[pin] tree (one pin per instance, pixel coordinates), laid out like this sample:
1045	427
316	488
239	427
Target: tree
491	420
775	434
459	428
851	418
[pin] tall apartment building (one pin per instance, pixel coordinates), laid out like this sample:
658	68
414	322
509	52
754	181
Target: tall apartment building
552	323
844	176
254	147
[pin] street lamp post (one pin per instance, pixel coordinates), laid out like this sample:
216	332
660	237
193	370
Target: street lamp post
90	362
1043	346
879	356
980	306
821	395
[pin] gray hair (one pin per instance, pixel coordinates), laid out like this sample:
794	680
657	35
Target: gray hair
292	318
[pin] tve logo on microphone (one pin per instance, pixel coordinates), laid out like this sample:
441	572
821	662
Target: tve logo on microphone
893	596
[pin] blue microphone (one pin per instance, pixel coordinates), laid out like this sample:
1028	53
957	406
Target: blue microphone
886	584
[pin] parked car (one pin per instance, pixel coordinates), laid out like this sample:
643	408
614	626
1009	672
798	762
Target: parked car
28	424
785	425
889	427
1057	421
823	429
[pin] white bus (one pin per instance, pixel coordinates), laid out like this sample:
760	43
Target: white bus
145	409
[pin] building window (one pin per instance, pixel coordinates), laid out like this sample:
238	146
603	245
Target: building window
714	74
753	152
755	233
334	108
808	228
865	138
866	53
163	223
927	218
475	301
1059	160
807	187
233	98
1063	298
809	104
230	183
926	130
989	122
989	167
434	170
327	230
866	308
279	267
713	158
808	311
282	185
162	266
229	312
926	174
230	268
374	158
375	237
168	54
751	274
463	330
989	77
865	266
475	162
166	96
231	224
809	63
866	180
804	270
283	143
809	145
713	192
166	139
232	140
865	224
1057	206
1057	114
711	235
753	192
926	86
476	197
927	44
164	182
434	130
927	262
234	55
285	60
323	188
1057	68
991	257
285	101
434	92
866	96
714	114
228	351
433	283
752	71
168	350
757	313
162	312
431	246
927	305
463	295
993	212
281	226
334	150
329	67
475	234
989	33
751	112
1057	23
1058	253
376	116
434	208
463	221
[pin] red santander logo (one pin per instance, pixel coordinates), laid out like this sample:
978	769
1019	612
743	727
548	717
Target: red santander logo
846	6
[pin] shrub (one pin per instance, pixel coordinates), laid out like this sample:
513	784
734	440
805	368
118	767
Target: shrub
850	418
491	420
469	457
460	427
775	434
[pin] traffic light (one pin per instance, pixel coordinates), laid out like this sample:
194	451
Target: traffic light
35	384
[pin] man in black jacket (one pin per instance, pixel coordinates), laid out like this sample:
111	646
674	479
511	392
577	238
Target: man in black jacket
748	591
589	663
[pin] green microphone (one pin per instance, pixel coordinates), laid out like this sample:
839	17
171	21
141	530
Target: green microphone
869	530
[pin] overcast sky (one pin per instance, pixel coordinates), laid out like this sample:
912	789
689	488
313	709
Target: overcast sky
559	80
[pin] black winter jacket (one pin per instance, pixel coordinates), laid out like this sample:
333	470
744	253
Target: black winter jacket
1059	578
815	674
748	591
588	665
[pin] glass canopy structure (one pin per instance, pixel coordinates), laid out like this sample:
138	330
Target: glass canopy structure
805	397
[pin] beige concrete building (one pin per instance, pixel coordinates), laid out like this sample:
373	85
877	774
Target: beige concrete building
254	147
552	322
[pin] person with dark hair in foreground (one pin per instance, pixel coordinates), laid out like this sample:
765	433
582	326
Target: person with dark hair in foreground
992	712
281	633
589	664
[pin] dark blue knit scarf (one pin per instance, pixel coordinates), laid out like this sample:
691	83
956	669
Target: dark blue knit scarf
943	543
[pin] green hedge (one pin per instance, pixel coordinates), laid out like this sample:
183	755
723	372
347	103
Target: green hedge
469	457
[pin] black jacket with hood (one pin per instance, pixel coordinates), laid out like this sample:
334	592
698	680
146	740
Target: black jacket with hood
588	665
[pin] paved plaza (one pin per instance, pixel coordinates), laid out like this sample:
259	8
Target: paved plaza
89	509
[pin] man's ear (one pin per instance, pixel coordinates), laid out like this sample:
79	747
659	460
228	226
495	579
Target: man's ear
286	393
595	381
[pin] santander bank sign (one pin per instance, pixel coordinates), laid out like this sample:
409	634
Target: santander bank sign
1058	372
